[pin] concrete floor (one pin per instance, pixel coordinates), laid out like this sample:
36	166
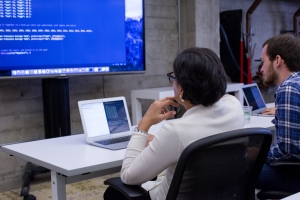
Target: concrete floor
91	189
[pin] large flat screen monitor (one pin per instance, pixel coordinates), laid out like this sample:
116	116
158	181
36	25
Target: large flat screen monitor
52	38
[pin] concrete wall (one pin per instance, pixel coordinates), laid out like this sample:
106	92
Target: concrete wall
21	111
199	24
269	18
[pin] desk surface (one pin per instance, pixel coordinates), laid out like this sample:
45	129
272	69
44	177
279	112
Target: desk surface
74	158
293	197
71	155
265	122
257	121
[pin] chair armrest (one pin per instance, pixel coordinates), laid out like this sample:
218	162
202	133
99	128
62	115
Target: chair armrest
286	163
130	191
272	194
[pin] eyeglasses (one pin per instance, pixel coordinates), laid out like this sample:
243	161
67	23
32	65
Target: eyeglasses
171	78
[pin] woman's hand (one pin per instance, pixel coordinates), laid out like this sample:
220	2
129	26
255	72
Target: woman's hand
157	112
269	111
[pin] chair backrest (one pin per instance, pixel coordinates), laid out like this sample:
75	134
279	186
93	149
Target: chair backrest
222	166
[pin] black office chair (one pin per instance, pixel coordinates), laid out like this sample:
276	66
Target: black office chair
275	194
222	166
30	172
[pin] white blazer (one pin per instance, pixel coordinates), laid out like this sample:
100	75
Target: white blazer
142	164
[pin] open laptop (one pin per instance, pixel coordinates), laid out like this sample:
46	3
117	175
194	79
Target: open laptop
254	98
106	122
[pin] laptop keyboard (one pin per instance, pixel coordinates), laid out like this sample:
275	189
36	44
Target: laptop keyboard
114	140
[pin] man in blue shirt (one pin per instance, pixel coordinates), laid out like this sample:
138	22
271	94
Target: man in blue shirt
280	59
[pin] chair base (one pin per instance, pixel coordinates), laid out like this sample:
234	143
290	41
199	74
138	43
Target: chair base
30	172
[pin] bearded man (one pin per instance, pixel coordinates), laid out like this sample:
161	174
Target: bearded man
280	59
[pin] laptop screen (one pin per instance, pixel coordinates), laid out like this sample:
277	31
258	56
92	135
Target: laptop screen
116	116
102	118
253	97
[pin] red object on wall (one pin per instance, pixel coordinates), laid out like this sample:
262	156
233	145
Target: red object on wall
241	59
249	75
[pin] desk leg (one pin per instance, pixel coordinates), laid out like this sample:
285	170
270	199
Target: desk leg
58	183
136	110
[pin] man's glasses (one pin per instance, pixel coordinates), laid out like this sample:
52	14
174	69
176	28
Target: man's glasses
171	78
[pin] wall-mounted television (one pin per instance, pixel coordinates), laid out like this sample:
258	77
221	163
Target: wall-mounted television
54	38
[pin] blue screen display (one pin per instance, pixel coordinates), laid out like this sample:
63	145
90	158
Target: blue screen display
116	116
254	97
55	37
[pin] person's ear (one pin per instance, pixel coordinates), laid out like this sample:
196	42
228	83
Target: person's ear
278	61
181	91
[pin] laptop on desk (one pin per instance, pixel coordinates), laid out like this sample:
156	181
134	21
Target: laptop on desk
254	98
106	122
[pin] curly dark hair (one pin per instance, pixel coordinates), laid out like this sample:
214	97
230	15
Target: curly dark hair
201	75
287	47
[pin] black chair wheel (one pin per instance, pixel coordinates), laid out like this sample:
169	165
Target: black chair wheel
30	197
24	191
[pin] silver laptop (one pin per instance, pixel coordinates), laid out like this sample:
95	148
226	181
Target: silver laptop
254	98
106	122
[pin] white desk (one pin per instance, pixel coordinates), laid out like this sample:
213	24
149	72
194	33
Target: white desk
265	122
257	121
293	197
159	93
71	159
